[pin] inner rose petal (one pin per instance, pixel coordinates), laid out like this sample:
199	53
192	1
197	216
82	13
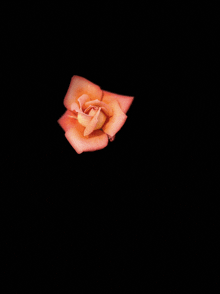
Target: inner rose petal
92	121
105	107
101	118
91	114
82	99
91	126
97	121
74	107
84	119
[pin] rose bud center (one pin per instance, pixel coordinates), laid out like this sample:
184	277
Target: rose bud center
84	120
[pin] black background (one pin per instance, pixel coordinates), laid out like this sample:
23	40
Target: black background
132	212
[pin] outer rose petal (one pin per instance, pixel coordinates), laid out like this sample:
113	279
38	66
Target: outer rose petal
117	120
79	86
66	122
95	141
124	101
74	134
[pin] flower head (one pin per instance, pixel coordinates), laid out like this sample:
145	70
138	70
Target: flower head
93	116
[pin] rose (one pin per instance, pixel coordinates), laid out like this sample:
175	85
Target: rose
93	116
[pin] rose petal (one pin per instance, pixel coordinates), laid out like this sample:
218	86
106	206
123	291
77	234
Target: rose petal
92	124
84	119
111	138
74	106
79	86
88	109
117	120
95	141
124	101
82	99
66	121
105	107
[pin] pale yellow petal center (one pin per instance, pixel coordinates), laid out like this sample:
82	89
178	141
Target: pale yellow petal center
83	119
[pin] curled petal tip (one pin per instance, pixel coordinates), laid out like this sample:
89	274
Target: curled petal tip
111	138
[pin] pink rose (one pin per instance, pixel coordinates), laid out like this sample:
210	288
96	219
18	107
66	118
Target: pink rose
93	116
